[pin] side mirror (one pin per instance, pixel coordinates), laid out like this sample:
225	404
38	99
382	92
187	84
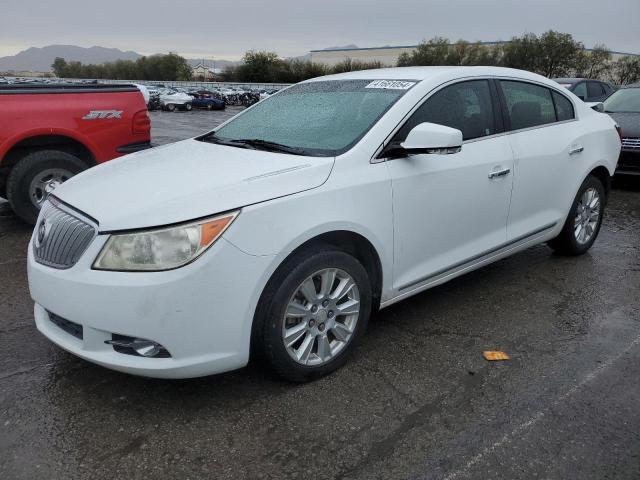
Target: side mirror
597	106
432	138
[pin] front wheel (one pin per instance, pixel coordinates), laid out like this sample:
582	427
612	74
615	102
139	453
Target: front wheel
313	312
583	223
188	107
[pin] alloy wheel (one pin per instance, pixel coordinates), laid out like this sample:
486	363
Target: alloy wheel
587	215
321	317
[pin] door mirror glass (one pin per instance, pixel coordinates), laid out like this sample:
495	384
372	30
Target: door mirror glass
432	138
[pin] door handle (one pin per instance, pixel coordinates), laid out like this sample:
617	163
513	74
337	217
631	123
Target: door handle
576	149
499	173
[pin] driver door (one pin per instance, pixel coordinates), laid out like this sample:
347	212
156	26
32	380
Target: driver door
450	210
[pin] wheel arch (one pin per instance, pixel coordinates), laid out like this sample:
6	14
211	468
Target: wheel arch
42	142
602	173
347	241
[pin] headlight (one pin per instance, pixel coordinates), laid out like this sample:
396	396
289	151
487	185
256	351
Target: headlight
162	248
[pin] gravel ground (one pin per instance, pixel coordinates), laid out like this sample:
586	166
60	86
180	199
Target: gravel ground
417	399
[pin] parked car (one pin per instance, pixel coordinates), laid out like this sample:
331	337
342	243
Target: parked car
171	100
285	227
624	108
51	132
154	100
209	103
586	89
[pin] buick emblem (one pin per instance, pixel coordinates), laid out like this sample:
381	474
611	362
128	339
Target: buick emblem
42	232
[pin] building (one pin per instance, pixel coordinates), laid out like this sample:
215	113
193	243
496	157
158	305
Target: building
204	73
388	55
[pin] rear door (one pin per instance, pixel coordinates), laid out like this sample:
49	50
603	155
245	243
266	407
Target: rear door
546	141
450	209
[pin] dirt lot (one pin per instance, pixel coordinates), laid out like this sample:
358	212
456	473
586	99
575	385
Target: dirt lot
416	401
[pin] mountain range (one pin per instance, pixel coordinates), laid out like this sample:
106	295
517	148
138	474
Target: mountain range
39	59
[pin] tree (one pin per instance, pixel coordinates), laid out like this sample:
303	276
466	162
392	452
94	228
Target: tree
557	53
626	70
594	63
349	65
521	52
432	52
58	66
155	67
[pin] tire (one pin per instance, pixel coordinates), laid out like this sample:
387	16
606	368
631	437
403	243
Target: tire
63	165
188	106
568	242
209	106
270	321
171	107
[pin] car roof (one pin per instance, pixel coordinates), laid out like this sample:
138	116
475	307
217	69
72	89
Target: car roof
576	80
568	80
426	73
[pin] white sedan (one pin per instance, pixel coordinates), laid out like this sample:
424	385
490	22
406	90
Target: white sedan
283	229
171	99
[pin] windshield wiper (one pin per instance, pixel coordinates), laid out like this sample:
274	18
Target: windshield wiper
255	143
211	138
269	146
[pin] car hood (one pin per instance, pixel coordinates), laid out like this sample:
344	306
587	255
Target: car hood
187	180
629	123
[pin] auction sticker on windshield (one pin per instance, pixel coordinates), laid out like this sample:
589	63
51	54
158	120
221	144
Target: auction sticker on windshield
393	84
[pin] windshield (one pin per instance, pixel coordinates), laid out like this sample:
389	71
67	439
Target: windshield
323	118
625	100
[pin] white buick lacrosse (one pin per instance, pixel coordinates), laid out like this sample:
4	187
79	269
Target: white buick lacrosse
280	231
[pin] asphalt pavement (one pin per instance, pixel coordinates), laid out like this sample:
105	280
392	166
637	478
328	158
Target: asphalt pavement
417	400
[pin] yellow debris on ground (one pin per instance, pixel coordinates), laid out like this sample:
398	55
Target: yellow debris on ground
494	355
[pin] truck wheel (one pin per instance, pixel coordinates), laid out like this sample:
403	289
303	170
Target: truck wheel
36	176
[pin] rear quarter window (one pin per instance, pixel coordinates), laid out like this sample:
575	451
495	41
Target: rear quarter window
564	107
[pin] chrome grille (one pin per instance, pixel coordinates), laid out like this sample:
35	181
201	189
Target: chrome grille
631	143
61	236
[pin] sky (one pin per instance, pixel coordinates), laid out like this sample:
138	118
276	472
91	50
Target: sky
225	30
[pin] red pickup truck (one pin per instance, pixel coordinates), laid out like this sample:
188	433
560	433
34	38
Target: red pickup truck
49	133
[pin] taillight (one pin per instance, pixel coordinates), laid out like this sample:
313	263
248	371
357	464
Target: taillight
619	130
141	124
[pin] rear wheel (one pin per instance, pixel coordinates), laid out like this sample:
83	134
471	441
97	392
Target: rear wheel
171	107
36	176
313	312
188	106
583	223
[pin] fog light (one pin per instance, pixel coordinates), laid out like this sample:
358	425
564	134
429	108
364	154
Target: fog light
137	346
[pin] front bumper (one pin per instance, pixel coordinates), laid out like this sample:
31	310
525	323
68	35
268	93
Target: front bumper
201	313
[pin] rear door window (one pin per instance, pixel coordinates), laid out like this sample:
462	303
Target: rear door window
528	105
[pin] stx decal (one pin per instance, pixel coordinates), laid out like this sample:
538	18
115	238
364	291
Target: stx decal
102	114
